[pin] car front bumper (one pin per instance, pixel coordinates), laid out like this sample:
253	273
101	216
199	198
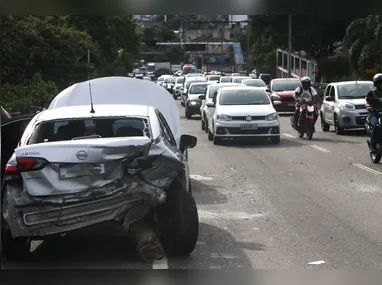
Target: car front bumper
193	109
352	119
236	129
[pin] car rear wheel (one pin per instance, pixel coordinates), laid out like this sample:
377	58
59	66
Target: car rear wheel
181	238
210	135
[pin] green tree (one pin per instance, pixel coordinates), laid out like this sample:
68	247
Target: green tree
363	41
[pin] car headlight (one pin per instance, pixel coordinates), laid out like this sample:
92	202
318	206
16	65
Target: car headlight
223	117
271	117
347	107
192	103
275	97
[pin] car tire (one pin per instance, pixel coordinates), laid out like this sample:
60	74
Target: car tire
338	129
13	249
375	157
275	140
324	126
216	140
210	135
203	125
187	114
181	238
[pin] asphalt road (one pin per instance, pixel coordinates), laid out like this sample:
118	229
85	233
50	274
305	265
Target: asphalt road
300	204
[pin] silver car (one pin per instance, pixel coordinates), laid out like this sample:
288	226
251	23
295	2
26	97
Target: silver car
243	112
178	85
344	105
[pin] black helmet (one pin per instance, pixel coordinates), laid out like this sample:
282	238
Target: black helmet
377	78
305	79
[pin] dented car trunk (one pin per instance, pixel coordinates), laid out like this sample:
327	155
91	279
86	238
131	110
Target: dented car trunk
69	185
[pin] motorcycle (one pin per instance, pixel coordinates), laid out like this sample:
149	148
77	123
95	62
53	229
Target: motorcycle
307	120
377	154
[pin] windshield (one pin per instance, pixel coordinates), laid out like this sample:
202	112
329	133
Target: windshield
239	79
160	79
244	97
166	80
179	80
226	79
254	83
216	87
188	83
214	78
354	90
198	89
62	130
285	85
172	80
151	68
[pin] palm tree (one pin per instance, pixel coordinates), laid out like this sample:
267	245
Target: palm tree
363	40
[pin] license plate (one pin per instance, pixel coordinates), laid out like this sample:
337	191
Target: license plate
248	127
291	104
73	170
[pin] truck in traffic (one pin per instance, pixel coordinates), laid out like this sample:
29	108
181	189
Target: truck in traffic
162	68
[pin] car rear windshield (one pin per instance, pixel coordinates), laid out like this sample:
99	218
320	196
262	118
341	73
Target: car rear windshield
198	89
172	80
180	80
214	78
68	129
254	83
354	90
216	87
226	79
285	85
188	83
239	79
244	97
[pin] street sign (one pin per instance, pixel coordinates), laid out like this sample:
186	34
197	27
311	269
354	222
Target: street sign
371	71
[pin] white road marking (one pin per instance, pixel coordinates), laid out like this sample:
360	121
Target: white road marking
289	136
160	264
363	167
319	262
223	255
209	215
200	177
320	148
35	244
200	242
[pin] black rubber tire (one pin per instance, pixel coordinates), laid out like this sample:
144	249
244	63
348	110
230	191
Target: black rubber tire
375	157
187	114
203	125
181	239
210	135
13	249
310	136
339	131
275	140
324	126
300	135
216	140
206	127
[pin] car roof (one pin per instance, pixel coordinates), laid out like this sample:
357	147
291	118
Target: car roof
350	82
284	79
102	110
253	79
202	83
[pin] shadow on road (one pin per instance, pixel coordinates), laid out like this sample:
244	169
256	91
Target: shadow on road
217	248
82	253
207	194
261	143
337	139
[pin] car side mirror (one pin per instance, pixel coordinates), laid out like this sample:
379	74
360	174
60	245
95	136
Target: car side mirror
211	105
187	141
202	97
276	103
329	98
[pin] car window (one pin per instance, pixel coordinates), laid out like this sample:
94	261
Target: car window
354	90
254	82
197	89
285	85
327	90
179	80
226	79
68	129
244	97
165	128
332	92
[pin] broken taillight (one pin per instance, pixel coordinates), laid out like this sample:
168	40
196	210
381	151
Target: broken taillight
31	163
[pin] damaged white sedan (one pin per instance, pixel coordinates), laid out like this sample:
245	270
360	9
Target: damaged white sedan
82	166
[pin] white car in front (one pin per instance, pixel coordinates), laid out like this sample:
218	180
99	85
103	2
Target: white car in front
243	112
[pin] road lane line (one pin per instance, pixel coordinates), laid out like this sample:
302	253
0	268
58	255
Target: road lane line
363	167
319	262
289	136
320	148
160	264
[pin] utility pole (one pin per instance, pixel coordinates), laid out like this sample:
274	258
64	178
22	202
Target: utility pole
248	49
289	46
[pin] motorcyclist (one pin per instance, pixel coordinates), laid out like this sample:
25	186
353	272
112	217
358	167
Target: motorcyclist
371	97
305	92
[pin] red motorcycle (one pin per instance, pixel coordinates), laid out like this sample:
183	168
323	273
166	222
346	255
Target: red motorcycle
307	120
